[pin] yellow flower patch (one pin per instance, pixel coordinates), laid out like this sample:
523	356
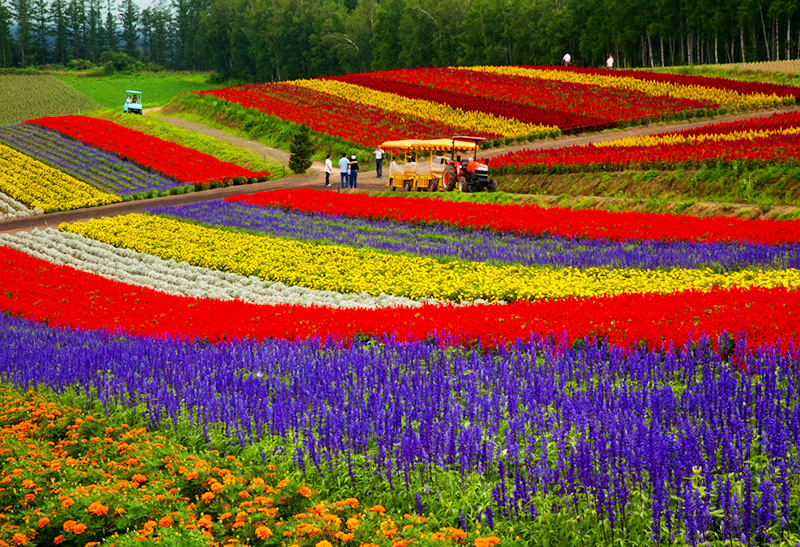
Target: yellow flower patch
353	270
676	138
476	121
38	185
728	99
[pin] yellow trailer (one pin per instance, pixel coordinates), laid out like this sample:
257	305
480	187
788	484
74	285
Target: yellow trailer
415	164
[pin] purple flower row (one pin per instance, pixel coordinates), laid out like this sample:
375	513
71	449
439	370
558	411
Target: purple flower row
592	424
445	241
101	169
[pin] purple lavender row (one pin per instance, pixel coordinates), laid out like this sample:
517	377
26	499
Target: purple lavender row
444	241
541	421
101	169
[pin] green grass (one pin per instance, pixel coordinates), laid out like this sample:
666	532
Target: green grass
213	147
24	96
157	87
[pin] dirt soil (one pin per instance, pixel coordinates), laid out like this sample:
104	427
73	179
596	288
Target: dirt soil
368	182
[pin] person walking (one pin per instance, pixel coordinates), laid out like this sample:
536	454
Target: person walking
610	62
328	170
344	169
353	171
379	161
566	60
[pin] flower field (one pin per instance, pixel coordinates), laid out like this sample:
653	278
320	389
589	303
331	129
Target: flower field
499	103
169	159
389	371
752	143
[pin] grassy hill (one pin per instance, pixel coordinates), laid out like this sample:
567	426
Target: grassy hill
24	96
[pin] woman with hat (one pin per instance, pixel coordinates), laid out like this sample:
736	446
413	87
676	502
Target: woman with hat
353	171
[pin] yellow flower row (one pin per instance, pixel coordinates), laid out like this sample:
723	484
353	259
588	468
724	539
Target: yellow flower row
676	138
38	185
473	120
725	98
351	270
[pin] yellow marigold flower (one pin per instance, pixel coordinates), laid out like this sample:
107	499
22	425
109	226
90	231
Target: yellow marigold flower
263	532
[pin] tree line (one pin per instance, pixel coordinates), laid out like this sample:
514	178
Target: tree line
269	40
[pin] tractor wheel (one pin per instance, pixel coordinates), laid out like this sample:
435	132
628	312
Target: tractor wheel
449	178
492	185
462	185
433	186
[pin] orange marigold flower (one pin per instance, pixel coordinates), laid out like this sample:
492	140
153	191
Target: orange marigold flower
165	522
57	540
457	533
284	483
304	491
377	509
192	476
263	532
244	494
352	523
138	477
97	508
400	543
341	536
69	525
120	511
42	522
487	541
19	539
67	502
323	543
27	483
207	497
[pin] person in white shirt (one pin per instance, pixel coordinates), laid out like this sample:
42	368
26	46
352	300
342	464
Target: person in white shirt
566	60
610	62
379	161
328	170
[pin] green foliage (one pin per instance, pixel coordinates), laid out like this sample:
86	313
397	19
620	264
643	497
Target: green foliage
28	95
301	150
157	88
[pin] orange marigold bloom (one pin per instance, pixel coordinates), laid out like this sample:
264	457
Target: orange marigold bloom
97	508
42	522
67	502
377	509
19	539
323	543
69	525
341	536
487	541
457	533
304	491
79	528
244	494
27	483
263	532
207	497
284	483
138	477
192	476
165	522
352	523
57	540
400	543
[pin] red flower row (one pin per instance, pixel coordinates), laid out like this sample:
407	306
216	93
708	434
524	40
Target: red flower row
348	120
570	106
63	296
745	88
170	159
758	151
582	223
422	84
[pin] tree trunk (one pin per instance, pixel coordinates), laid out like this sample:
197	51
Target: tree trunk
661	47
716	48
788	36
764	32
650	48
741	42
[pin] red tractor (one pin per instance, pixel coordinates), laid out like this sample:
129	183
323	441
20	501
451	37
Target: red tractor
470	174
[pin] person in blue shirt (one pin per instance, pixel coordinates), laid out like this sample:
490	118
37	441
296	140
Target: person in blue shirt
344	169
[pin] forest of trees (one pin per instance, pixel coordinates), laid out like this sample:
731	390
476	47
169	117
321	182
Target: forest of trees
266	40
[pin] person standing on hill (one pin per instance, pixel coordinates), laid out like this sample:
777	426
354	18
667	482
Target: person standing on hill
344	169
353	171
328	170
379	161
566	60
610	62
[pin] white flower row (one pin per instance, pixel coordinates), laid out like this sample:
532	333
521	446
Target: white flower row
11	208
179	278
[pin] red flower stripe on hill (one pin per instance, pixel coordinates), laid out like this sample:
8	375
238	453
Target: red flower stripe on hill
418	84
532	219
568	105
63	296
173	160
699	81
772	122
354	122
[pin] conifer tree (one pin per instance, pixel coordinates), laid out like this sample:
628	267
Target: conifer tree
301	150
